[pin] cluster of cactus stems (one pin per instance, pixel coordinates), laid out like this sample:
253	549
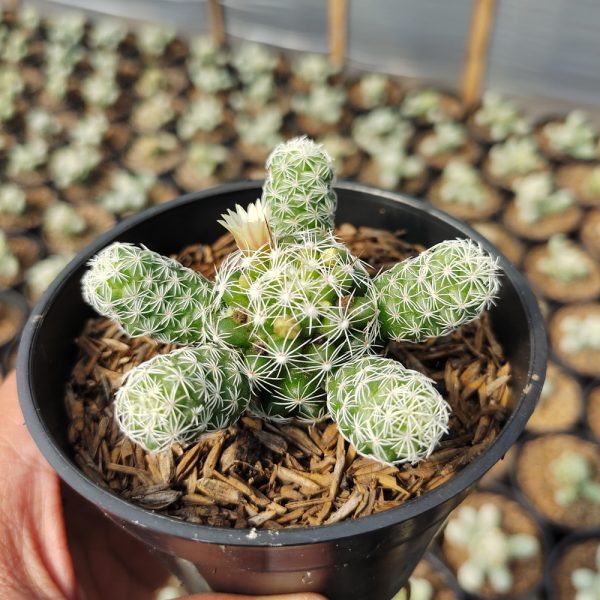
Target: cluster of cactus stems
291	325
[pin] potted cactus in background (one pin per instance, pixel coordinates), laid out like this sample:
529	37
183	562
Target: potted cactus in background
292	329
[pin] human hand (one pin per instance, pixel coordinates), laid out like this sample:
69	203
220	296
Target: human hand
56	545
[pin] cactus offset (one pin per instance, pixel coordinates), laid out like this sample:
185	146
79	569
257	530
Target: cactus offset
148	294
387	412
175	397
446	286
298	192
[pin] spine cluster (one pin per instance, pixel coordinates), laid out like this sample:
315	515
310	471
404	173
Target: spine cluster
148	294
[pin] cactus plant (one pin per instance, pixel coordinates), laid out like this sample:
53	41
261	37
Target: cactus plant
153	39
387	412
580	333
128	192
107	33
89	130
101	89
298	193
432	294
536	197
564	262
66	28
462	184
26	158
314	69
73	164
44	272
514	158
501	117
490	549
41	123
205	114
574	479
323	103
381	130
298	315
62	219
148	294
13	200
424	104
177	396
575	136
447	137
261	130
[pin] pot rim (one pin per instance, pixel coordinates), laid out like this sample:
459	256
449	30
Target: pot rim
126	511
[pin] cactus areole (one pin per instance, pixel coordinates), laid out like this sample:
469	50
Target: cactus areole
292	327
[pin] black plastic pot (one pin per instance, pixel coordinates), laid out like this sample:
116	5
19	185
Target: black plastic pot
367	558
558	552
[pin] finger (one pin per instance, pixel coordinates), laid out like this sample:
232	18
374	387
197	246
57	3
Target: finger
34	557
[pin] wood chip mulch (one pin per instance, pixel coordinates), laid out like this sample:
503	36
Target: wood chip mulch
265	475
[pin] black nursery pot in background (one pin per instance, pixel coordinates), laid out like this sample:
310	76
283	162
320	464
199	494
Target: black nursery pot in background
366	558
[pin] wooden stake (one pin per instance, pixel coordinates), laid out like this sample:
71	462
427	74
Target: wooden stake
477	47
215	17
338	32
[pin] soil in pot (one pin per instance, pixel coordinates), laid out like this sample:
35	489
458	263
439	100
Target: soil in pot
560	405
496	519
553	471
266	475
575	337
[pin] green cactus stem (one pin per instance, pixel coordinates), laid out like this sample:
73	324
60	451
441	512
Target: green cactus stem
434	293
175	397
385	411
300	311
297	193
148	294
